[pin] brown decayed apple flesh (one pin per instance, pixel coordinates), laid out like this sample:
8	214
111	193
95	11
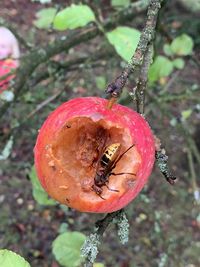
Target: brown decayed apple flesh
76	152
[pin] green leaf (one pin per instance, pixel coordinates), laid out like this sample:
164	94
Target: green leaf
38	192
182	45
185	114
120	3
98	264
100	82
179	63
7	149
161	67
167	50
125	41
45	18
11	259
66	249
73	17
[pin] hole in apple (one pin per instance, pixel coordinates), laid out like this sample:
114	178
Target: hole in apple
79	148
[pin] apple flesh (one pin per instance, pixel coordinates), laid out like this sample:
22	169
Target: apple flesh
73	139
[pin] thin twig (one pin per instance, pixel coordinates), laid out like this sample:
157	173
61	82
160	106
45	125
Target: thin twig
72	65
142	81
103	224
186	95
191	143
43	104
180	126
115	88
171	81
195	188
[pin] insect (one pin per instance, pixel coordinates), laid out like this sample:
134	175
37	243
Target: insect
107	163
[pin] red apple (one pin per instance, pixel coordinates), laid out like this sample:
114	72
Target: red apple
73	139
5	67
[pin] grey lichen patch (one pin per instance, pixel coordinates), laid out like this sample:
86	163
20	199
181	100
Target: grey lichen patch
161	159
90	247
123	227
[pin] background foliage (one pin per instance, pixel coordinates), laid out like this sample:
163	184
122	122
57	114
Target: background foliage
164	220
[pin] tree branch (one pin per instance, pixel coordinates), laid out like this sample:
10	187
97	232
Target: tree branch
196	191
115	88
73	64
37	56
90	246
142	81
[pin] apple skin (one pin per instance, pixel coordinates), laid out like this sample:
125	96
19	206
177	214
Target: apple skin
52	174
5	67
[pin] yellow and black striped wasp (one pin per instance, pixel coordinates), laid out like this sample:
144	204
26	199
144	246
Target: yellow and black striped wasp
107	163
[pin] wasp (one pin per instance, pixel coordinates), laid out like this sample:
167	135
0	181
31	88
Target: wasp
107	163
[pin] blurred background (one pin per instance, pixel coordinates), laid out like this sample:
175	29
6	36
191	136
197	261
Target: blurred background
164	219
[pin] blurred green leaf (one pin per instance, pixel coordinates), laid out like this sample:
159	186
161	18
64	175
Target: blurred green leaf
125	41
120	3
28	97
98	264
38	192
73	17
11	259
185	114
7	149
63	228
100	82
167	50
182	45
66	248
173	122
161	67
45	17
179	63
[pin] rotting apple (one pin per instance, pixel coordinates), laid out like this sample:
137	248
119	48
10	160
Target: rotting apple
73	139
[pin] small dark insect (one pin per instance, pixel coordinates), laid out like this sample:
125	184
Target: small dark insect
107	163
67	200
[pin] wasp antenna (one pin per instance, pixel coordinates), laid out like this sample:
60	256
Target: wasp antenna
114	190
123	155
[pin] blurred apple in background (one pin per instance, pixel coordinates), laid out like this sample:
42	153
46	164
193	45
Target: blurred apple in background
6	66
9	56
